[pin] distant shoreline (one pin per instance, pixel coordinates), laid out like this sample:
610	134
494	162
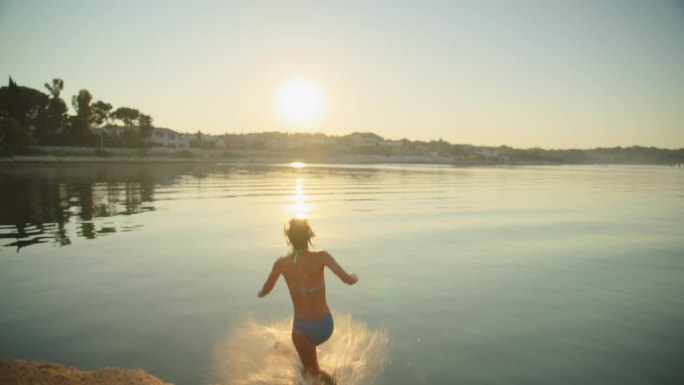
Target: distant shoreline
52	160
78	155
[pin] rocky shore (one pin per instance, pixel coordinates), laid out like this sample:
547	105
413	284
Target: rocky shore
19	372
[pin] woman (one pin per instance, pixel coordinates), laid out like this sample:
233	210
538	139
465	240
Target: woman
303	272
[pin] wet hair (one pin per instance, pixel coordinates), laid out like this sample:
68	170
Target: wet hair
299	234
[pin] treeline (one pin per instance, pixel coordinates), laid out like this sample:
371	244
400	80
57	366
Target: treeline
614	155
31	117
465	153
510	155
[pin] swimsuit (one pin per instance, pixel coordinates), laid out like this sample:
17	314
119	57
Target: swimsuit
309	290
316	331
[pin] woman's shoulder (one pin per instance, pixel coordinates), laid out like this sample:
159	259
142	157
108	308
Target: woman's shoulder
322	254
281	260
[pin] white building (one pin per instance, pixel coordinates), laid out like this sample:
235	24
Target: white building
165	137
490	152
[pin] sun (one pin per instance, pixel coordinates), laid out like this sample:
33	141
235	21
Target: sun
300	101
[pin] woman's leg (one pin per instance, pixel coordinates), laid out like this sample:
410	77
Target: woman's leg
307	353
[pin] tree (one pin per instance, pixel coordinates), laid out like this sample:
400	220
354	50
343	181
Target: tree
35	103
19	109
126	115
145	124
54	118
101	111
133	136
14	133
55	87
13	103
201	141
81	103
130	136
79	130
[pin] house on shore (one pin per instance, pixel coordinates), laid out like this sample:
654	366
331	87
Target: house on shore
361	140
166	137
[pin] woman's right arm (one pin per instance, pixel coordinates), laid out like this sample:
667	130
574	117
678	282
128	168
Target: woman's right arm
347	278
272	278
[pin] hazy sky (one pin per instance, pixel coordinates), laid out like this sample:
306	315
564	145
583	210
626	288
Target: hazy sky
523	73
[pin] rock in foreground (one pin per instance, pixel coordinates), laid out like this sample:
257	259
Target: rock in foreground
19	372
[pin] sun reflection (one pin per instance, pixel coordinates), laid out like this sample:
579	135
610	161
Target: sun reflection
297	164
299	207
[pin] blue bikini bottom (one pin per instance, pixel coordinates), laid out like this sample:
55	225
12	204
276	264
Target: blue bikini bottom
316	331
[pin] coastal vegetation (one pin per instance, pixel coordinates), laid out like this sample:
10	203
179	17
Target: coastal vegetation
32	117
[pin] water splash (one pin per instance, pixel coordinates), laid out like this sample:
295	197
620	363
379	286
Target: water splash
256	353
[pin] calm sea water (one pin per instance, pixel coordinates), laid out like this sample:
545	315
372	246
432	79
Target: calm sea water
502	275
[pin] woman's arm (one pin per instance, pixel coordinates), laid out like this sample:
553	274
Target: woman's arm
271	280
349	279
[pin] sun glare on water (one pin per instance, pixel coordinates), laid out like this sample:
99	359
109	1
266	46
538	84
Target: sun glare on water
299	206
300	101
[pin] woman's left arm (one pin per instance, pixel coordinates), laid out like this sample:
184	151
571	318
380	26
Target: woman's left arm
271	280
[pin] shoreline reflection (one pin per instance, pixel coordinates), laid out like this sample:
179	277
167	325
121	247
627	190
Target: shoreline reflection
42	204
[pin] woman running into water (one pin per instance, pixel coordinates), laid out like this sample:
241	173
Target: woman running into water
303	272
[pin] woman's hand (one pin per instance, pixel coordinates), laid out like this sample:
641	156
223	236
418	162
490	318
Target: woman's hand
261	294
354	278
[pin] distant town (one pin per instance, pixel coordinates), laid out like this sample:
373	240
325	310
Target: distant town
34	123
367	146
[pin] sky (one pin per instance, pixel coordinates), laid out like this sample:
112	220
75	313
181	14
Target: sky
553	74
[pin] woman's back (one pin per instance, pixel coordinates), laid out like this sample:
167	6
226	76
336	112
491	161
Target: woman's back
306	282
